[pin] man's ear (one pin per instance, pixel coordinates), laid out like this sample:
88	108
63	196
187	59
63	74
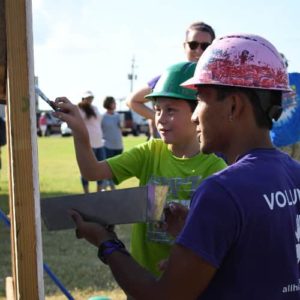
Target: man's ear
237	104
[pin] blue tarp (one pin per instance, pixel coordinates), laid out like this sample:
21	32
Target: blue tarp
286	130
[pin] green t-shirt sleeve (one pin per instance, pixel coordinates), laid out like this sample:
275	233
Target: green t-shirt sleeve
216	164
128	164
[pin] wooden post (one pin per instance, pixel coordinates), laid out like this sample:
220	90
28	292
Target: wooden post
24	199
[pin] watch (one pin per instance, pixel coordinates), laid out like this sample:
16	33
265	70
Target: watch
106	248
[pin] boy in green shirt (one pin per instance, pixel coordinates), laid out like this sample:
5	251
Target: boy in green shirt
174	160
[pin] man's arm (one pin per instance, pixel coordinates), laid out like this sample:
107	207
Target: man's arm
186	277
90	168
136	101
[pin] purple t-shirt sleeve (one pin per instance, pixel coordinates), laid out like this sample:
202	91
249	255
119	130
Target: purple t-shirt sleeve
212	225
152	83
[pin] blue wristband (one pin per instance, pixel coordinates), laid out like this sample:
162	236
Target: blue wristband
108	247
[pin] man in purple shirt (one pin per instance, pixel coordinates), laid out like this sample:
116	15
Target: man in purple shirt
241	237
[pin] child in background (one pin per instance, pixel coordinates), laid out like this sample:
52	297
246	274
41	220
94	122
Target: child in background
112	134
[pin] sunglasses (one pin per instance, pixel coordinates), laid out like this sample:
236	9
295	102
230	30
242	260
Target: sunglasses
194	45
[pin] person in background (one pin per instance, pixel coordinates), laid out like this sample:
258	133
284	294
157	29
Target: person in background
112	134
174	160
198	37
92	120
43	124
241	237
285	133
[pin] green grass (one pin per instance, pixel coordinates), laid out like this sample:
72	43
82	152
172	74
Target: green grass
73	261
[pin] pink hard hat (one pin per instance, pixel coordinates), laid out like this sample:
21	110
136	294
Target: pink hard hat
242	60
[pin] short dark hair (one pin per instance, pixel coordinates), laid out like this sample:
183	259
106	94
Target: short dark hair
201	26
192	104
108	101
266	104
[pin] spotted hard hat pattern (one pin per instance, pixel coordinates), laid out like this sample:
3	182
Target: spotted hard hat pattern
241	60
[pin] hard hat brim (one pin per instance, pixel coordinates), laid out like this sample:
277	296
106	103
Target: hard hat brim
193	82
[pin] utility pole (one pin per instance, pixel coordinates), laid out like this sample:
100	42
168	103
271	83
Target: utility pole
132	76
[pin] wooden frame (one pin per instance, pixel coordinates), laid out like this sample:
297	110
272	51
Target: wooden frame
27	262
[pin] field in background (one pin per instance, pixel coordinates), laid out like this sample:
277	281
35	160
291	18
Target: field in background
73	261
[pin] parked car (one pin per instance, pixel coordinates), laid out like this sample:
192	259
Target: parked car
132	123
65	130
53	124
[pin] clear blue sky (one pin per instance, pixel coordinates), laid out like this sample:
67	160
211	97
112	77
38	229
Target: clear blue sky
88	44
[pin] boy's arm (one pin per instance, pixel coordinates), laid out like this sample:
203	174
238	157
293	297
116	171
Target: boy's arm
90	168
